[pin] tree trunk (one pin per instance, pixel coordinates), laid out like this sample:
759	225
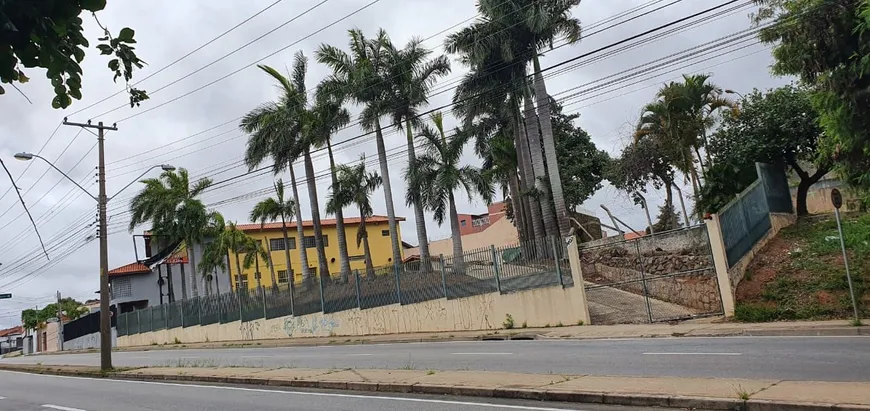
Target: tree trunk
458	259
300	230
169	283
551	228
217	283
271	267
191	254
806	182
420	220
230	272
315	217
548	140
370	269
343	258
290	275
239	284
528	180
388	193
183	283
516	203
257	272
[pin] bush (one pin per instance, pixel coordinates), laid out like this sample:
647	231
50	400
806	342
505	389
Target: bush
755	313
508	322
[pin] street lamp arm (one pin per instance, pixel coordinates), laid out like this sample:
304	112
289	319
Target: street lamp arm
67	177
131	183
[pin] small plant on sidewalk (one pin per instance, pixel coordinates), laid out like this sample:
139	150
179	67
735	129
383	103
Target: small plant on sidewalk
508	322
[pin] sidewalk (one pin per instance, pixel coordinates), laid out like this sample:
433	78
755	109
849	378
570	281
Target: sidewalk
694	328
686	393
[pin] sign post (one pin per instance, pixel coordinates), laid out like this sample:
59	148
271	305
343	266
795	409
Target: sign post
837	200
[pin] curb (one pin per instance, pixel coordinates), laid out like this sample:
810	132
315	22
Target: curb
584	397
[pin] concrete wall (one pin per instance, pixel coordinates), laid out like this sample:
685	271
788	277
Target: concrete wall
697	291
819	197
535	308
88	341
499	233
669	241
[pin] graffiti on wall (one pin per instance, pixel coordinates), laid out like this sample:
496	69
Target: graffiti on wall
300	326
248	328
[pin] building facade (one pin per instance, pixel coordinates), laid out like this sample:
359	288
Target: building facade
270	235
475	223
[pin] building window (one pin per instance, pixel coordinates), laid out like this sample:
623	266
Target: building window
385	233
244	281
309	241
283	278
463	223
277	244
360	257
479	222
122	287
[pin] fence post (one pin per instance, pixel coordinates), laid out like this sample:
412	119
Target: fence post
443	274
320	282
497	269
358	297
720	263
263	296
398	282
138	322
239	299
198	309
183	300
558	261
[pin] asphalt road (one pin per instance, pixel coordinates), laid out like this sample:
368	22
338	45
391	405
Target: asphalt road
30	392
791	358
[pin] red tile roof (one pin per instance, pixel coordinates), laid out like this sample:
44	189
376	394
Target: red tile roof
133	268
324	223
12	331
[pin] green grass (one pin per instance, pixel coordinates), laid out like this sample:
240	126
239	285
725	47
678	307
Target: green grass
811	282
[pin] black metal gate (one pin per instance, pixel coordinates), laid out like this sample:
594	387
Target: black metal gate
652	278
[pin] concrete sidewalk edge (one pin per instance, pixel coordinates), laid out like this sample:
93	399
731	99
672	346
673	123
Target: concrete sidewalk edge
567	396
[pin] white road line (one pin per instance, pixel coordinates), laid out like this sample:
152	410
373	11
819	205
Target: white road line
58	407
258	356
481	353
301	393
693	353
360	355
2	398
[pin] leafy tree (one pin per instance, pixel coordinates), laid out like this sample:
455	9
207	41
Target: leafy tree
229	240
360	76
170	204
725	180
254	251
49	35
826	43
437	174
71	309
644	163
781	127
355	185
668	219
273	209
213	257
275	131
581	164
410	76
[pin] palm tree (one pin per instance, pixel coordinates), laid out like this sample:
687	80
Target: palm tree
275	131
354	186
254	252
229	240
212	257
273	209
169	203
411	77
329	116
360	77
437	174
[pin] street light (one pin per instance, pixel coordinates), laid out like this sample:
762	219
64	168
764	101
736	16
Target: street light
729	91
102	200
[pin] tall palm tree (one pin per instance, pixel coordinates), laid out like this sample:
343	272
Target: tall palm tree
354	185
329	116
254	252
229	240
171	205
411	76
437	174
273	209
275	131
360	77
210	263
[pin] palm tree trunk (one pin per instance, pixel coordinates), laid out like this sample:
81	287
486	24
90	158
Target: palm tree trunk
388	193
290	275
229	271
528	179
551	228
183	282
458	260
420	220
191	254
300	231
169	283
550	150
257	272
519	211
271	268
343	258
370	269
239	284
315	217
217	283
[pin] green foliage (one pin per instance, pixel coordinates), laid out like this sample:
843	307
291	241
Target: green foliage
826	43
724	181
49	35
646	162
508	322
71	308
756	313
582	165
668	219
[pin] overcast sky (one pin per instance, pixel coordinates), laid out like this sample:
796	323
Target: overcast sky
167	30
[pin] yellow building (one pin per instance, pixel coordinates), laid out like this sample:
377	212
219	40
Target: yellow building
271	237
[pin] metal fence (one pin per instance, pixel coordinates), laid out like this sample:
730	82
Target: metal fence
528	265
776	188
744	221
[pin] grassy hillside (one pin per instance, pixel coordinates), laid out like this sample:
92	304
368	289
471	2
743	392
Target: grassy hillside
800	274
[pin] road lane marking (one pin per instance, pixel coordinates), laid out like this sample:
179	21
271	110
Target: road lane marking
360	355
258	356
693	353
2	398
481	353
61	408
300	393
